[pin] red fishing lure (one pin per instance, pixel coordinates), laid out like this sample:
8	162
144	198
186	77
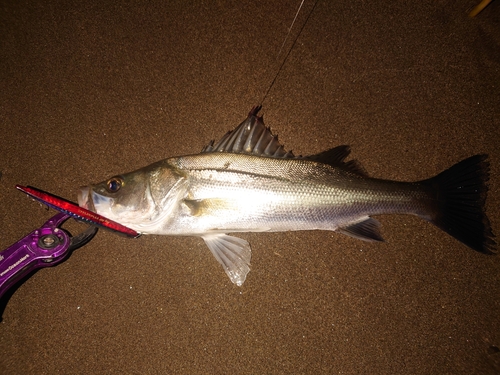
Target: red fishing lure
75	211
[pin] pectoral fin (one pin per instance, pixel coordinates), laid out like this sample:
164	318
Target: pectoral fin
232	253
200	207
368	229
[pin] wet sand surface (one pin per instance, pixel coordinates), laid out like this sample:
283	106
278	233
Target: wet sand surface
90	90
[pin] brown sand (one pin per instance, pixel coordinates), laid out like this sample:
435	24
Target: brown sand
89	90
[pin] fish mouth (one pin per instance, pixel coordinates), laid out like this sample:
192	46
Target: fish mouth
84	199
92	201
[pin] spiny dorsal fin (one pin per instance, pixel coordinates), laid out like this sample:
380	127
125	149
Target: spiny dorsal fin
253	137
250	137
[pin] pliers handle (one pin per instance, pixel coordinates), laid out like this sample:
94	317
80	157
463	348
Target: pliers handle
44	247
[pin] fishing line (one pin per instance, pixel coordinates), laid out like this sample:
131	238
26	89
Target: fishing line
291	48
290	28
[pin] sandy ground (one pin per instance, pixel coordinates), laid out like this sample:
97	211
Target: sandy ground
91	89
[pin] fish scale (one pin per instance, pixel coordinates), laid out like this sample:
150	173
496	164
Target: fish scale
330	201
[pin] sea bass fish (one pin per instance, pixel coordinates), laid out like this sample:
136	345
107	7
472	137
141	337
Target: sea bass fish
247	182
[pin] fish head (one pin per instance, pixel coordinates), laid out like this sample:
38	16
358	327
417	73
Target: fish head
124	198
142	200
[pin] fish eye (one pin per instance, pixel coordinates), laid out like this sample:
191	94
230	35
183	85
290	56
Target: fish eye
114	184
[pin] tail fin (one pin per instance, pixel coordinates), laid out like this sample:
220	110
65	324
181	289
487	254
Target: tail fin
461	195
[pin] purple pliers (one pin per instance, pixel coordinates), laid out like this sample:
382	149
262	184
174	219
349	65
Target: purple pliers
44	247
50	244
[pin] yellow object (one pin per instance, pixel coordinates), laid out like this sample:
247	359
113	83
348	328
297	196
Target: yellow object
478	8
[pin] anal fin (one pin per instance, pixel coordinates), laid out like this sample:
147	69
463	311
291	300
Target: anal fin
232	253
367	229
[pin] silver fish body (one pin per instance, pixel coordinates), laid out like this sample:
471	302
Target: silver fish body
225	192
248	183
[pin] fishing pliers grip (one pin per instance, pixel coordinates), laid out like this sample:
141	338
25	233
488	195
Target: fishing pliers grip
44	247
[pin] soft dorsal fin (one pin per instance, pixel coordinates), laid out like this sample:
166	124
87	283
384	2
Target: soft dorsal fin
250	137
335	157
